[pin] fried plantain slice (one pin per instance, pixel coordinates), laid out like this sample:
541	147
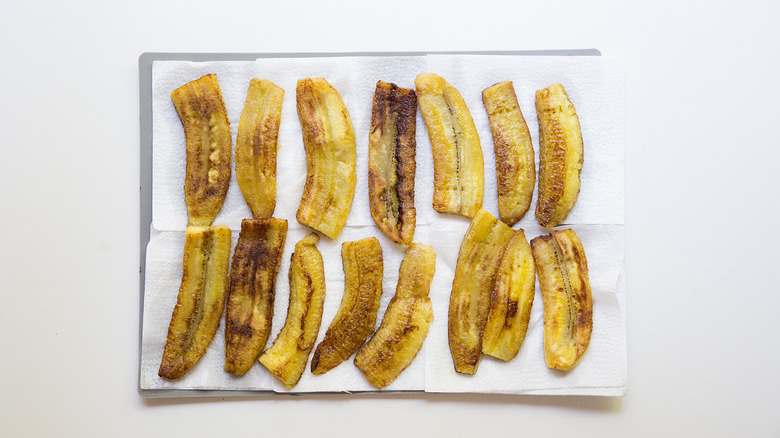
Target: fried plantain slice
356	317
475	275
458	168
560	155
515	168
568	304
287	357
207	133
405	324
391	161
250	299
511	300
201	299
256	146
329	141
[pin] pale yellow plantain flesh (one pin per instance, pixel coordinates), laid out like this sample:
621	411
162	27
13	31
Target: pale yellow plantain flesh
207	132
256	146
250	299
356	317
201	299
329	141
560	155
458	167
475	275
515	168
511	301
391	161
288	355
406	322
568	304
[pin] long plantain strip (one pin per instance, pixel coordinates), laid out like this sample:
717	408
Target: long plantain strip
329	141
391	161
287	357
515	168
201	299
256	145
406	322
511	301
458	168
356	317
250	300
560	156
207	133
568	303
475	275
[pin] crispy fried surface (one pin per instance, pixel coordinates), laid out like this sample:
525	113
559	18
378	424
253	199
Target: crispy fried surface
391	161
201	299
329	141
250	300
256	145
207	133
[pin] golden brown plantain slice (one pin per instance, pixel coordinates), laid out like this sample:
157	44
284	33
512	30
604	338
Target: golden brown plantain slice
355	319
391	161
560	155
201	299
250	299
458	168
511	301
568	304
207	133
406	322
331	157
475	276
515	168
256	147
287	357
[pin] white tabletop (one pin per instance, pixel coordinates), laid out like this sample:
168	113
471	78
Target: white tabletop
700	156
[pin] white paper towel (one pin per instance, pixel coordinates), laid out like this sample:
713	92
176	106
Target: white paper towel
595	86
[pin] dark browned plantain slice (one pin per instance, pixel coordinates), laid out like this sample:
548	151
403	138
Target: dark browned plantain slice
391	161
568	303
406	322
207	133
331	157
287	357
511	301
250	299
201	299
475	275
560	155
356	317
515	169
256	147
458	168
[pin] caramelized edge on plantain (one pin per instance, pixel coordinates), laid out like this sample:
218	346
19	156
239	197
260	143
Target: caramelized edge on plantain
201	298
250	300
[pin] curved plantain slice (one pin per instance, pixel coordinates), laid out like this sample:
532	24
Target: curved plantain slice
201	299
250	299
475	275
256	146
515	168
356	317
287	357
391	161
511	301
207	133
458	168
406	322
329	141
560	155
568	303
